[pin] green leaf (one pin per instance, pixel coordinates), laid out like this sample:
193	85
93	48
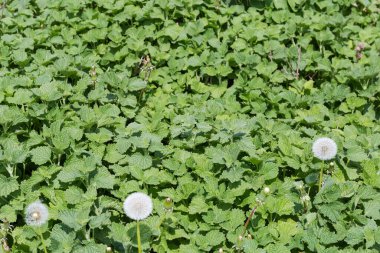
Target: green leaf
356	154
8	213
287	229
233	174
21	96
135	84
74	218
119	232
140	161
333	210
198	205
74	195
235	218
61	141
279	205
284	145
61	240
354	236
100	220
194	61
370	173
277	248
41	155
91	247
103	179
269	170
372	209
8	185
102	135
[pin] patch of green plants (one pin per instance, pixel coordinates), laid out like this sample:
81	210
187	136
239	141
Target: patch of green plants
214	109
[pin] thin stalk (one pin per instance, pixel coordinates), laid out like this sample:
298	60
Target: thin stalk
138	238
42	239
246	224
320	178
162	220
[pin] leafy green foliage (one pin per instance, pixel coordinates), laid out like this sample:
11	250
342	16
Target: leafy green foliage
205	102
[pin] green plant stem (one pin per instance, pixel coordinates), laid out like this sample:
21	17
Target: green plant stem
320	178
162	219
42	239
138	238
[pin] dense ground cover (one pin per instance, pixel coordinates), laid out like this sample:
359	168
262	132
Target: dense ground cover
204	102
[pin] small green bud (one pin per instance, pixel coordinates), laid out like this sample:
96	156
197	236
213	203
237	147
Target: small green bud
168	204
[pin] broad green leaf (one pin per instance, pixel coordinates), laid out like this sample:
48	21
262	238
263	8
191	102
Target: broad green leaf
140	161
372	209
8	185
279	205
74	218
198	205
41	155
333	211
136	84
61	240
356	154
90	247
287	229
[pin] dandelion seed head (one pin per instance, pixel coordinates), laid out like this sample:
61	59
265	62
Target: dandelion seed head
324	148
266	190
138	206
36	214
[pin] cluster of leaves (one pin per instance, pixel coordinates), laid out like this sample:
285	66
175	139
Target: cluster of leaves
205	102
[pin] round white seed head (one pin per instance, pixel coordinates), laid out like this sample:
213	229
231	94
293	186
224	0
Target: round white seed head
220	250
109	249
266	190
324	148
36	214
138	206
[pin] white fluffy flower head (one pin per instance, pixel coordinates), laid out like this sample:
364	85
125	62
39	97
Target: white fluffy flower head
138	206
324	148
36	214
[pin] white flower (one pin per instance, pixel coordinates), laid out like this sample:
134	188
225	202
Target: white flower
266	190
36	214
324	148
138	206
305	198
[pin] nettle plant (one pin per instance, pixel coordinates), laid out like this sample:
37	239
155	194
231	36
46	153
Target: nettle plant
213	109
